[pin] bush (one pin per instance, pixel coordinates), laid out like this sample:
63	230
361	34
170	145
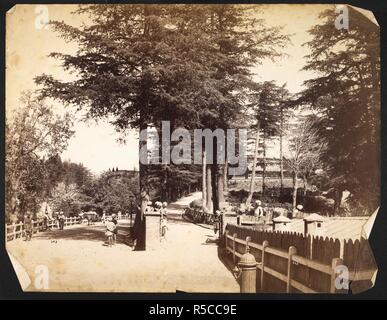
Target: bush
196	204
317	204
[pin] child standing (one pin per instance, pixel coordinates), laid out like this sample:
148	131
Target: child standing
110	227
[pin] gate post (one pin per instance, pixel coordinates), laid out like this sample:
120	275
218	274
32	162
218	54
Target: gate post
248	266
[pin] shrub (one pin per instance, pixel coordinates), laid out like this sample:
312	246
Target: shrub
317	204
196	204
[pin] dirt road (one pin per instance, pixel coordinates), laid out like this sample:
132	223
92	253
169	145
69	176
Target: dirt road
77	260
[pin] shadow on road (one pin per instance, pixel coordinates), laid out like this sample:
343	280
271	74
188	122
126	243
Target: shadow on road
90	233
226	259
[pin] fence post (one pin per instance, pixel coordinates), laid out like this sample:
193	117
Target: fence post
335	262
225	240
13	231
292	251
233	247
310	246
248	267
264	245
248	239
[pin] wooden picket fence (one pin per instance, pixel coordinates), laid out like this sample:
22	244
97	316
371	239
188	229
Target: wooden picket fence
291	262
16	230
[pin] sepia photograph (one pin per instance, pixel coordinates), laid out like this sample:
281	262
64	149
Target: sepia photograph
198	148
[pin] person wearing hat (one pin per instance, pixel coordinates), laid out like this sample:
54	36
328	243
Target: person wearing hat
148	208
217	221
110	227
163	210
61	220
115	231
103	216
163	220
298	211
258	211
28	227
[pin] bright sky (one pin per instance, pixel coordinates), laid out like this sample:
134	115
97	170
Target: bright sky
94	145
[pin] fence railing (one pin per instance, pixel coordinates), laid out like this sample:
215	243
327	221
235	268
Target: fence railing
286	271
16	230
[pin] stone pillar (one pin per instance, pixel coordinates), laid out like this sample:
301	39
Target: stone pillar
152	230
248	266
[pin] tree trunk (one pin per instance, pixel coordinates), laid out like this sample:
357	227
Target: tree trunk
139	223
221	185
204	186
264	165
281	154
252	182
209	187
305	185
225	179
295	187
164	192
338	195
214	178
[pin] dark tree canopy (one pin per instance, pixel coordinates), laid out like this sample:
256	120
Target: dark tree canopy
346	92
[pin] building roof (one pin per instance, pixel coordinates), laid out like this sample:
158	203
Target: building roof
336	227
282	219
314	217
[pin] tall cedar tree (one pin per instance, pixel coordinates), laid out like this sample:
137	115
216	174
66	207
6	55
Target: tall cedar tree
140	64
347	94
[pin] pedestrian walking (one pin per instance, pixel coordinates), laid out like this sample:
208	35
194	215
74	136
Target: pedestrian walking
163	210
217	221
103	217
61	220
115	231
46	219
28	227
56	220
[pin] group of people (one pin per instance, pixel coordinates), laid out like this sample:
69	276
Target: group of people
28	223
111	229
260	211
